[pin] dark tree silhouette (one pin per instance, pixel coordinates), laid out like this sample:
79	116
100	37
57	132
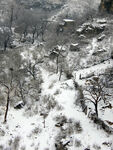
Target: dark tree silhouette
95	92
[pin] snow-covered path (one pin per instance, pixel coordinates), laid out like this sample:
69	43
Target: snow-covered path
96	70
66	99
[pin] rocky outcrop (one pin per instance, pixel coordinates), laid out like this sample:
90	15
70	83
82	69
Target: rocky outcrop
91	29
106	6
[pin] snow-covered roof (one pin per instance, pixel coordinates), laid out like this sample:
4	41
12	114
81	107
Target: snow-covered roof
74	44
68	20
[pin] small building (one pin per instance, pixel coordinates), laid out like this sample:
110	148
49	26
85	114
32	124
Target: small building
68	22
66	25
74	47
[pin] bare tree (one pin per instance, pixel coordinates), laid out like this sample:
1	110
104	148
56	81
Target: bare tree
44	115
59	54
32	67
5	37
8	99
95	92
21	90
9	87
23	22
11	16
34	23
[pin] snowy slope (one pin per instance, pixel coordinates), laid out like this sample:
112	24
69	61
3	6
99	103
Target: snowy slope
32	132
75	8
52	116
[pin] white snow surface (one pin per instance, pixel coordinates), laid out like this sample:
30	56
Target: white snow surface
19	125
22	126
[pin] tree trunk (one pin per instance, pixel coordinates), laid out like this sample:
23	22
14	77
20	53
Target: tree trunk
5	45
57	64
44	123
7	107
33	35
60	73
25	31
33	38
43	37
96	108
11	18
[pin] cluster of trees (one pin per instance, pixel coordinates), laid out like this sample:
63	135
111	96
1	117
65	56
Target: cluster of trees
22	21
32	22
13	75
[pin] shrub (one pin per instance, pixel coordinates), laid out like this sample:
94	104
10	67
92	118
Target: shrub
15	143
48	102
96	147
36	130
72	127
60	118
77	143
77	127
57	92
59	107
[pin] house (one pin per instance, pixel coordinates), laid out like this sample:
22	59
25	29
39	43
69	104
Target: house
66	25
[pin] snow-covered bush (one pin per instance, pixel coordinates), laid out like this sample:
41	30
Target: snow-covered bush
2	132
77	127
14	144
31	109
48	102
59	107
36	130
72	127
57	92
51	67
96	147
77	143
60	118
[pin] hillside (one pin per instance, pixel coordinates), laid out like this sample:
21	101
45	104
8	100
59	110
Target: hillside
56	75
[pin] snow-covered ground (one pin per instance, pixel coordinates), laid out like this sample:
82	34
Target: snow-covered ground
96	70
31	131
54	115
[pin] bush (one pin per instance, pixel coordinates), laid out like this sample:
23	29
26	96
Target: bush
48	102
73	127
77	143
60	118
36	130
61	135
77	127
96	147
57	92
31	109
14	144
59	107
